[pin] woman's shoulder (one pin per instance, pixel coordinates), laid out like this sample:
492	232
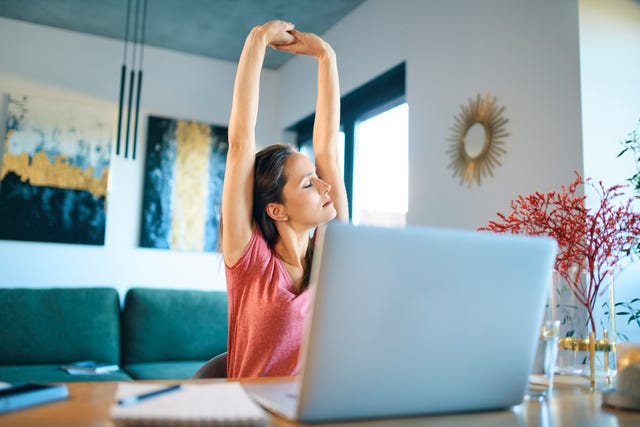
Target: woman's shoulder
257	250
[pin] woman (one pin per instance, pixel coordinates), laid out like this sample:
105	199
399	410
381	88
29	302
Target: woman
271	202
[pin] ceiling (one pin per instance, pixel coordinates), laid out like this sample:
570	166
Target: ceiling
211	28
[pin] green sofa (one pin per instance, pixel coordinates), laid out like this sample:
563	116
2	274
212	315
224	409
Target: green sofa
155	334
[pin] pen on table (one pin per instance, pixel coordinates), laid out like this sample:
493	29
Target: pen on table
130	400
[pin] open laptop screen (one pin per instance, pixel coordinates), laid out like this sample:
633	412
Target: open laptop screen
421	320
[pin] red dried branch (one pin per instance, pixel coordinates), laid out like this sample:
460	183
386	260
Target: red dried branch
588	240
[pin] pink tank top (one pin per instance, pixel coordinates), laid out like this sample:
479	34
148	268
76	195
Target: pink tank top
266	317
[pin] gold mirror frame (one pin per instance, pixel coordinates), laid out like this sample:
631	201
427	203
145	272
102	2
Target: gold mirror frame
484	111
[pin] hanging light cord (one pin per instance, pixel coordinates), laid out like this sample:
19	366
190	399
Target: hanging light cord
135	126
123	76
131	77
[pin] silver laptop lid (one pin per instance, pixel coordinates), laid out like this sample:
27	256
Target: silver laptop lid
421	320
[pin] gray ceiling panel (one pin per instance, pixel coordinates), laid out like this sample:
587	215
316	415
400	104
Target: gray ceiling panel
211	28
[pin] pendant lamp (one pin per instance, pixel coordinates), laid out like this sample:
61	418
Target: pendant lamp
135	26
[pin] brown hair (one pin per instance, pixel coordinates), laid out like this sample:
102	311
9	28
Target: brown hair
269	180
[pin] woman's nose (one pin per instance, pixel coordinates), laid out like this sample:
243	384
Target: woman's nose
324	186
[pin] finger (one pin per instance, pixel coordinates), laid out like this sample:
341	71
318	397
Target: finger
284	39
291	47
285	26
298	35
303	34
296	38
278	22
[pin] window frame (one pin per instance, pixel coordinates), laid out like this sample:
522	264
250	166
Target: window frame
382	93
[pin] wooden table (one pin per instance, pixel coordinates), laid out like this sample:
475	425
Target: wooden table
89	403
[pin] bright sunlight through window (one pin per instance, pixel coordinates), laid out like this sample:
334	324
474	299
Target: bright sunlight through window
381	169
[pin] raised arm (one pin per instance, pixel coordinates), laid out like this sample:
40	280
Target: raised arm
326	127
237	192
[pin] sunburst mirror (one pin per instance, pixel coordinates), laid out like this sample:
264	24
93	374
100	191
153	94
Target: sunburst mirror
477	141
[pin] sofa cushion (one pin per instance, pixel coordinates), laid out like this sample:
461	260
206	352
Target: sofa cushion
160	325
163	370
59	325
52	374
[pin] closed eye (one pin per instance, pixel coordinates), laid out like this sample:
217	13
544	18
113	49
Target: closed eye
308	180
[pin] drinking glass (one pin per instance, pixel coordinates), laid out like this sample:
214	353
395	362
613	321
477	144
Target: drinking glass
550	334
548	348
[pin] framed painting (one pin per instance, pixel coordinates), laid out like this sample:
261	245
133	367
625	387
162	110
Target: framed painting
54	170
184	171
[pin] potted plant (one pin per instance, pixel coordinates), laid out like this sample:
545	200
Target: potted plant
591	244
631	146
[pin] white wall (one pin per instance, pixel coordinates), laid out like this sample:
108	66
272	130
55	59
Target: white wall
523	52
610	64
542	60
42	61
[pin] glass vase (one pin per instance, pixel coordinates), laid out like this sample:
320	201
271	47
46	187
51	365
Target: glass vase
586	345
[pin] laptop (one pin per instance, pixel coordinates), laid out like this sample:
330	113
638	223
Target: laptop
413	321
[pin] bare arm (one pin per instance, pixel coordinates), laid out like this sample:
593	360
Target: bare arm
326	126
326	129
237	192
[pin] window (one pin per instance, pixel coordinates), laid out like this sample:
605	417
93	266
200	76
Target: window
374	146
380	169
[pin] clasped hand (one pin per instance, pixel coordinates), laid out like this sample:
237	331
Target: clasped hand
282	36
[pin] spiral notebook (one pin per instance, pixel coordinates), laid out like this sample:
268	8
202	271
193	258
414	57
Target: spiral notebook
193	404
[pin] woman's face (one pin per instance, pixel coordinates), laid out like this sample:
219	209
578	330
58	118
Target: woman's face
306	197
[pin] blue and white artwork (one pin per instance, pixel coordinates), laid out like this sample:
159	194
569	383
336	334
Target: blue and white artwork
184	171
54	170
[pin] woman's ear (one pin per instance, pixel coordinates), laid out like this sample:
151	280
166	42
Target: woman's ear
277	211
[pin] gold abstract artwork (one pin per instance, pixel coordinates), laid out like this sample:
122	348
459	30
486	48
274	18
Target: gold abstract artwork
40	171
184	171
55	170
190	193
